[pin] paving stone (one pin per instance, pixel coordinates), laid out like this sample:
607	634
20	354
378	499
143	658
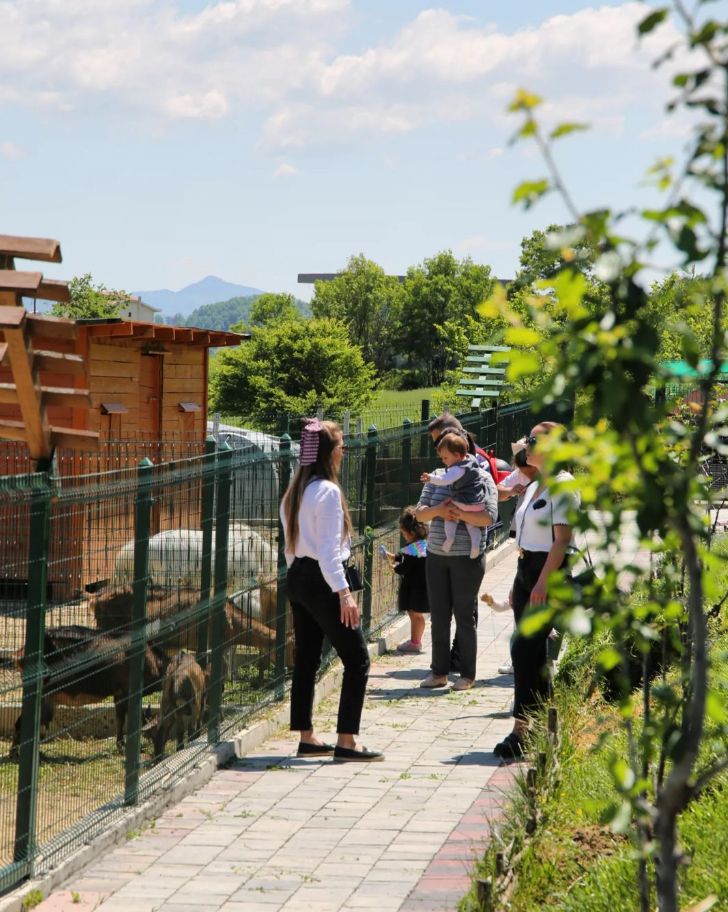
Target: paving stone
272	833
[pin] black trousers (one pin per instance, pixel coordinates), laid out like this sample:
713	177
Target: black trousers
316	614
452	590
529	654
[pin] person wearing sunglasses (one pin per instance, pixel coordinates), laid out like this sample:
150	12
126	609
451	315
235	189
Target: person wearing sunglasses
544	538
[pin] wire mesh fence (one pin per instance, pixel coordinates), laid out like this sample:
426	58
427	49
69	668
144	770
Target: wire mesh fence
144	615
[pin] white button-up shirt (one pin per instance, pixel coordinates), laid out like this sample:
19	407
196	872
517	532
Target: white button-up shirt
321	531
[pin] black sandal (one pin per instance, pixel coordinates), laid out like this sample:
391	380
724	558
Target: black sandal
306	749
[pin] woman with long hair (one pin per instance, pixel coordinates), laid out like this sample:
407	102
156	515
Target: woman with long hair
317	529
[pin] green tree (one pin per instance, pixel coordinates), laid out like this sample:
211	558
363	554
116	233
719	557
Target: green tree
222	315
641	462
440	296
368	302
544	254
291	367
89	300
272	308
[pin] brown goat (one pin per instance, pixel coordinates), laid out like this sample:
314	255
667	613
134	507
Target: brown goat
183	700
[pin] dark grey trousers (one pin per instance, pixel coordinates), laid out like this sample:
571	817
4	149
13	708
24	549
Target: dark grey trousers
452	590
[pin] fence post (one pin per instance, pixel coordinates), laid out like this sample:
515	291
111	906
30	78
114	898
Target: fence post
346	424
370	514
424	418
406	461
143	510
282	590
217	605
207	522
33	673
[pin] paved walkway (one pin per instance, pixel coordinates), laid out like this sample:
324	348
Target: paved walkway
271	832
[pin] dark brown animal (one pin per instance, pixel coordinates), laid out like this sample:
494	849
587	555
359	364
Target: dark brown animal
85	666
183	701
113	610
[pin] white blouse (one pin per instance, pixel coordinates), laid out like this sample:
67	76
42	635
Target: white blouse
535	516
321	531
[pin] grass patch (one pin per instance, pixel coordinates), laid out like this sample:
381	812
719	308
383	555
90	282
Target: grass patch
574	862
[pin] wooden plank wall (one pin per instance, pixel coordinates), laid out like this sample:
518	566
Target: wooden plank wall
87	538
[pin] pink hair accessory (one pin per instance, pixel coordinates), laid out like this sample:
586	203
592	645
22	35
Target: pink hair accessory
310	438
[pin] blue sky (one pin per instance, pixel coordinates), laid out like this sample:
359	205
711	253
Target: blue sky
163	141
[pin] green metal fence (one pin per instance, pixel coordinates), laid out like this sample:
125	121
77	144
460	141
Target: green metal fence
106	577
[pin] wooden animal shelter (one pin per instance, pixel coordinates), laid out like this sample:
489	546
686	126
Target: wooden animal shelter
97	395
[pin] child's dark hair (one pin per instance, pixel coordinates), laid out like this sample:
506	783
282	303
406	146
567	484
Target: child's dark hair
454	443
410	523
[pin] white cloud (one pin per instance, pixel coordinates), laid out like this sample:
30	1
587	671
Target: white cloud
11	150
278	58
285	170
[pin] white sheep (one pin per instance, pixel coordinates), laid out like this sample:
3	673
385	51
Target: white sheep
175	561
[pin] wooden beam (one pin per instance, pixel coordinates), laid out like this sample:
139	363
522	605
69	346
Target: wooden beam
3	351
8	394
59	363
162	332
74	438
489	348
30	248
44	326
54	290
490	381
20	282
483	393
484	370
65	396
34	418
12	317
12	430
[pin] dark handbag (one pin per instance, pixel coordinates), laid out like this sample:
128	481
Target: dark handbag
353	578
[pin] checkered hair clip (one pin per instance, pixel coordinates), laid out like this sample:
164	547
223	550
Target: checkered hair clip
310	439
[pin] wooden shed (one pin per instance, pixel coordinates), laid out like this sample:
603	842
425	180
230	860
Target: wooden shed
147	382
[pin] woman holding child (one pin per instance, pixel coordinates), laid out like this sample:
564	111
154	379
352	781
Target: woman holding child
455	557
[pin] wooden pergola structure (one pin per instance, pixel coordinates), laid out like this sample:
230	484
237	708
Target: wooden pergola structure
31	346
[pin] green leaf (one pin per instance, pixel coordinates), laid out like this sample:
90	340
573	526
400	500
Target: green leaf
715	708
609	658
652	21
535	621
522	335
619	817
522	364
564	129
623	774
530	192
525	101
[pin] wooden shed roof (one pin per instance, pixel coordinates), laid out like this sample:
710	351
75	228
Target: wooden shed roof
136	329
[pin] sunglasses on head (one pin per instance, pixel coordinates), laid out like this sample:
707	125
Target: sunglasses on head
531	440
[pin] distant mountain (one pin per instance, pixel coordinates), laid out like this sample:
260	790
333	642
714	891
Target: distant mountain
209	290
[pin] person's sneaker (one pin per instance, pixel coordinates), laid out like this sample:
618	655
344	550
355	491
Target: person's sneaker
409	647
510	748
432	681
506	669
463	684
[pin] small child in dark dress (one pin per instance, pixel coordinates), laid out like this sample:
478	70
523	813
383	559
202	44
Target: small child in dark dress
409	564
